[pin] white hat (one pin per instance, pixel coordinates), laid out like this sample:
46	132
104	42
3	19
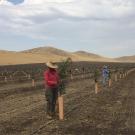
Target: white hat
51	65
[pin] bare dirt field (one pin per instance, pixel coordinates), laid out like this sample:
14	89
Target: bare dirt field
110	112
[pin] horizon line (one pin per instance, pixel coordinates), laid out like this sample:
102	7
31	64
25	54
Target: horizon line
65	51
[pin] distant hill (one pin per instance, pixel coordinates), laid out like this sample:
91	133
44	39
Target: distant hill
92	56
76	56
44	54
126	59
86	54
11	58
47	50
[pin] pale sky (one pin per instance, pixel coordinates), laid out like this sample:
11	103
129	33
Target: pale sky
105	27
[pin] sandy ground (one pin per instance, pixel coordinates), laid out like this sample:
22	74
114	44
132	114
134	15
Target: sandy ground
111	112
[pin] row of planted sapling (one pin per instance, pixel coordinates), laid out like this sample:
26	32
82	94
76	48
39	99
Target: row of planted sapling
112	75
24	77
35	75
34	72
85	68
39	68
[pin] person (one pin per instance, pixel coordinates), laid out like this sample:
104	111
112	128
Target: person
105	74
52	80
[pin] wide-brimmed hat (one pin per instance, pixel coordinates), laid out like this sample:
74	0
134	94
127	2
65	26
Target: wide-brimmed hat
51	65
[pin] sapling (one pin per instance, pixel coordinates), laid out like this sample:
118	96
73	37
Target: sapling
63	73
116	74
96	75
96	78
110	77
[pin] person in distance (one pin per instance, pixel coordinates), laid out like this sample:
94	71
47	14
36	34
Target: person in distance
105	75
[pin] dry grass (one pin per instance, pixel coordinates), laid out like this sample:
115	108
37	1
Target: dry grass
44	54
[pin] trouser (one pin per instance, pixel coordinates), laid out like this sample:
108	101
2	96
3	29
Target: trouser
51	98
105	80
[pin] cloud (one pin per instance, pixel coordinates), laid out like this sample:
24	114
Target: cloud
96	22
36	12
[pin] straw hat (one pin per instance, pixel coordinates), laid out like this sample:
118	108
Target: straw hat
51	65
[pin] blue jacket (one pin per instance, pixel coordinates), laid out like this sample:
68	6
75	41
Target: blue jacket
105	72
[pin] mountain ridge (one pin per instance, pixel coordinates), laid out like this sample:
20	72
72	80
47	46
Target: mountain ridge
44	54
